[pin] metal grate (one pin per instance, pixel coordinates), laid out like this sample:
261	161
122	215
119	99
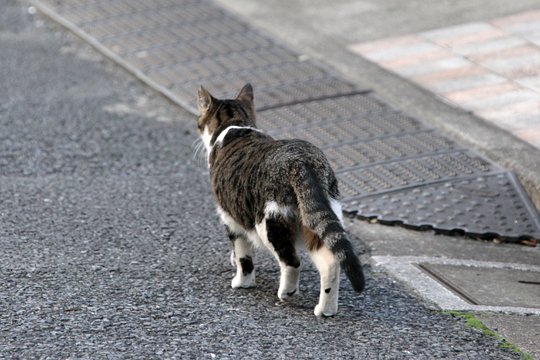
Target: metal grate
185	43
390	166
480	205
411	173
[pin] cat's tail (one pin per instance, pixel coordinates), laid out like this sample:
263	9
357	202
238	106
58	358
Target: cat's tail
318	216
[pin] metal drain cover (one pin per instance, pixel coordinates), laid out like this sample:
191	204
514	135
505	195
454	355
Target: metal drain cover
489	286
181	44
390	165
483	205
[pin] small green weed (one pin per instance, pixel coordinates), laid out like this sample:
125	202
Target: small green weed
474	322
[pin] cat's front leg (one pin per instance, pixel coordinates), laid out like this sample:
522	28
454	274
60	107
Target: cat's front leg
242	257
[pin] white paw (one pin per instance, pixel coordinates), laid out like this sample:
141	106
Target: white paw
241	281
325	311
288	282
285	293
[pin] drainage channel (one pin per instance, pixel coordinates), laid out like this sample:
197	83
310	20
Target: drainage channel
391	167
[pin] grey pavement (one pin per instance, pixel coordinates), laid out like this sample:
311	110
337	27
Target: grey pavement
111	248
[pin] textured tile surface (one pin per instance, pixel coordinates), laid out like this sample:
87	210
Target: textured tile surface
491	68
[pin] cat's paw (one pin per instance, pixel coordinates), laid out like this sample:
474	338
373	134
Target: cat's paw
284	294
325	311
288	282
241	281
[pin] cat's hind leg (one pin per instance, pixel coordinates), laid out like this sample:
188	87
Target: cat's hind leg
329	269
242	258
279	235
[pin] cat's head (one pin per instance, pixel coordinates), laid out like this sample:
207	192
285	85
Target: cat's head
216	114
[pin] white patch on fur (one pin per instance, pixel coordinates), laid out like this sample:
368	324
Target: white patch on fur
243	281
336	208
206	138
236	228
224	133
230	222
261	234
272	208
233	262
329	270
254	238
322	257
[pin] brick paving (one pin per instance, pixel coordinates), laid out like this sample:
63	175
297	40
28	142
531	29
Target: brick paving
491	68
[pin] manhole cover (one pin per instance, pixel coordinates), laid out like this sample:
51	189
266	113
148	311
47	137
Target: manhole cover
489	286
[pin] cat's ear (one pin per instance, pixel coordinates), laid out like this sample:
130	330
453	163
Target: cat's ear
246	94
204	100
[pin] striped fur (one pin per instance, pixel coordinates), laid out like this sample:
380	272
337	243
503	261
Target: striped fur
276	193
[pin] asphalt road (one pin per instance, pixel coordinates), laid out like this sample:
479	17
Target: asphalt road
110	246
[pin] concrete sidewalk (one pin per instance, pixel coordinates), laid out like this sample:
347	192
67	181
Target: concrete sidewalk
461	66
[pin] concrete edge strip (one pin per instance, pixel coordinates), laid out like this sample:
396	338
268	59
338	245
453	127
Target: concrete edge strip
405	269
47	11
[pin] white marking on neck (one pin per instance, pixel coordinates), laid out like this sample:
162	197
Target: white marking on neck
221	136
207	138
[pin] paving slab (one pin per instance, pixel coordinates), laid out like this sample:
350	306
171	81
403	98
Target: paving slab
402	252
457	274
496	45
516	288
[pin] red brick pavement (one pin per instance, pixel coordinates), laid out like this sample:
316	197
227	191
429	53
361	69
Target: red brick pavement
491	68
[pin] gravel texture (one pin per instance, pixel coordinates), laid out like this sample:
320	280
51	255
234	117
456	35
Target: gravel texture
111	248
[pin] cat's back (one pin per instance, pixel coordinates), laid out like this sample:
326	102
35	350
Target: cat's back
252	168
239	147
257	149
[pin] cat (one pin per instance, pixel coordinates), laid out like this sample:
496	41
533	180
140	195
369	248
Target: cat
281	194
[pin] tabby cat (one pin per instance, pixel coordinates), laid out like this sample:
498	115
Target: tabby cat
278	193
